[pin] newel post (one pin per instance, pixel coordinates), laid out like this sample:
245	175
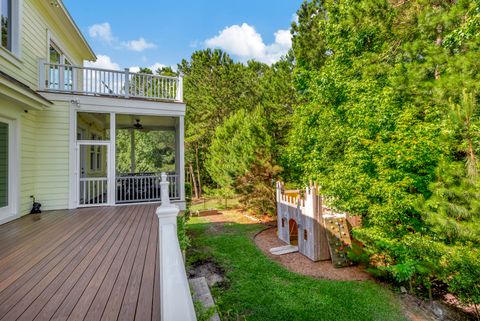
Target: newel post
127	82
175	299
180	89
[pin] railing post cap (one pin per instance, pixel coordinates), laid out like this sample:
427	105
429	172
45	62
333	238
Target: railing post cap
164	176
165	212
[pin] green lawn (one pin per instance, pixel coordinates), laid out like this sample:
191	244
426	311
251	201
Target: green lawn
260	289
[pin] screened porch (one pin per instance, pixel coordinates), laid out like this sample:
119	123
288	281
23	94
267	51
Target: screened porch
123	165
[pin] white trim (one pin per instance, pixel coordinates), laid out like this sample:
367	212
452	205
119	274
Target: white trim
180	155
112	192
16	33
109	176
12	209
120	105
76	106
182	158
58	45
73	168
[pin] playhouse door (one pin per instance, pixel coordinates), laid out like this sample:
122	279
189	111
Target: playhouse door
293	232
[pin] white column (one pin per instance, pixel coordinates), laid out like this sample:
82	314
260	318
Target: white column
180	156
112	164
175	299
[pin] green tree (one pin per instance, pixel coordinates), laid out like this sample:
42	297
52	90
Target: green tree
375	127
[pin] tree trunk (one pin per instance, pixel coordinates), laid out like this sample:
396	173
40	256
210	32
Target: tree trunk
198	172
195	190
438	42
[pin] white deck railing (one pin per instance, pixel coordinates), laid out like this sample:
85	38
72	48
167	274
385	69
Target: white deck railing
144	187
93	191
104	82
176	302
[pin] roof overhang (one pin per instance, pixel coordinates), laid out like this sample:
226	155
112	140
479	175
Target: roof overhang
16	91
59	11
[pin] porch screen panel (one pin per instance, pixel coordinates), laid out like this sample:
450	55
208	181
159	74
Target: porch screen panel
3	165
93	189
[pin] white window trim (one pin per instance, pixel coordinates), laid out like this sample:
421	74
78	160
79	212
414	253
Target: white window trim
15	54
11	211
52	40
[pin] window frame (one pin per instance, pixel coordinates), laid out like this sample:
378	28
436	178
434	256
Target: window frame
69	74
96	154
10	211
15	30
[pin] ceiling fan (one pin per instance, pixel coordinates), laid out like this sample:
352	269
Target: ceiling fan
137	125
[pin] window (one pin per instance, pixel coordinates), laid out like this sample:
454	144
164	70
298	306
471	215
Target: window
61	76
96	155
10	28
6	20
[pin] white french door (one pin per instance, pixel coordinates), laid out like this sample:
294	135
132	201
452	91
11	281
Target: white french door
94	178
6	169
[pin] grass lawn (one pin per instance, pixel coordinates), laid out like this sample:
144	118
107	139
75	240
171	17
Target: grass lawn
259	289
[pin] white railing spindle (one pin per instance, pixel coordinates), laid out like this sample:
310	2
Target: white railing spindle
104	82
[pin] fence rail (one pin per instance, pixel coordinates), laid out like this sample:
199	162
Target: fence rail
144	188
104	82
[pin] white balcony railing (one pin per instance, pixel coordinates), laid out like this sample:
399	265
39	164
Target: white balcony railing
144	187
104	82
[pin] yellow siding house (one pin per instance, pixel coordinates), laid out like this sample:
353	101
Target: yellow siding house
59	120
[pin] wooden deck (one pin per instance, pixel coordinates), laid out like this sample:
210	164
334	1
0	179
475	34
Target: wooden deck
86	264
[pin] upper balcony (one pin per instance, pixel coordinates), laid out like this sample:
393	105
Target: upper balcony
69	79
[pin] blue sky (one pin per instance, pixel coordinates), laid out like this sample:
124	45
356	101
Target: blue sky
147	33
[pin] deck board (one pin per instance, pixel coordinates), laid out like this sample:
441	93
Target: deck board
86	264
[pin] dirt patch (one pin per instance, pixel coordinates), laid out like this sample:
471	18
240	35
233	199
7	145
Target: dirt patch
298	263
417	309
213	273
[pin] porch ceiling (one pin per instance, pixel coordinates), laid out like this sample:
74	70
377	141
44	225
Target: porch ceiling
88	264
148	122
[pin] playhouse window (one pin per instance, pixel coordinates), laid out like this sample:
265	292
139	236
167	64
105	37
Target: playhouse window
283	222
305	235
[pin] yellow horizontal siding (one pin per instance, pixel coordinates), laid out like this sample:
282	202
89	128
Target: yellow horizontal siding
35	25
52	161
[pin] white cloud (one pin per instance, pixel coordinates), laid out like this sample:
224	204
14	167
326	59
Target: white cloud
295	18
246	43
153	67
138	45
103	62
103	32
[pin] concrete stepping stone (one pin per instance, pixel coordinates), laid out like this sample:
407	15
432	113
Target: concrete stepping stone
281	250
201	293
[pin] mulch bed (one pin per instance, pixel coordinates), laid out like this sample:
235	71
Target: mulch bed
299	263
